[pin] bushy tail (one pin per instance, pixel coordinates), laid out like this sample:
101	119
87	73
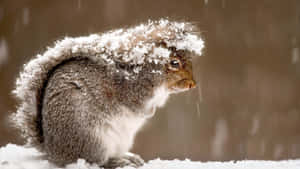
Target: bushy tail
31	83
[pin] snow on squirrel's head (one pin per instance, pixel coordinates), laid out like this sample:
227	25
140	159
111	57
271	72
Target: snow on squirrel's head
161	42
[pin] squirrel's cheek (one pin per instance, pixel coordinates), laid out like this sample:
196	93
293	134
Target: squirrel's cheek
182	85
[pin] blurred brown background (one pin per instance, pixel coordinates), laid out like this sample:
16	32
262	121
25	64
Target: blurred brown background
247	104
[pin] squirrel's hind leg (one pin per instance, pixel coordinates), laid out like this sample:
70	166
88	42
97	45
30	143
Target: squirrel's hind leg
129	159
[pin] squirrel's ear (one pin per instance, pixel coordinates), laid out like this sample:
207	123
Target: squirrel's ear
180	53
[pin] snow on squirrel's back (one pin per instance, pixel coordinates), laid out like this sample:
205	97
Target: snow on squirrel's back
19	157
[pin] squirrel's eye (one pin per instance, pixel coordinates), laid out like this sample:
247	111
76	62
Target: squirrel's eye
174	64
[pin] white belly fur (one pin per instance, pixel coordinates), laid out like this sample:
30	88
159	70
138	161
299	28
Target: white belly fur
119	134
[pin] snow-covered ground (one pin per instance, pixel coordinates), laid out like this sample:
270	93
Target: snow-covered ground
18	157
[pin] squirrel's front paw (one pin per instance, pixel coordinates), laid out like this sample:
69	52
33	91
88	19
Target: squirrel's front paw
134	158
129	159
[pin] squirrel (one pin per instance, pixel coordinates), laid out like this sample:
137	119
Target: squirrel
86	97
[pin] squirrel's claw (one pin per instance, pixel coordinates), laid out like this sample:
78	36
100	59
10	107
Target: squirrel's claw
129	159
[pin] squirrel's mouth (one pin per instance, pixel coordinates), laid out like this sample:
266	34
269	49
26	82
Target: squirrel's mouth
182	85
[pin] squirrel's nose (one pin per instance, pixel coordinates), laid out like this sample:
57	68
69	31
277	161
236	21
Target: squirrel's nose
192	84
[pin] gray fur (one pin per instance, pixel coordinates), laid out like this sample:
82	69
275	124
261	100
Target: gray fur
81	95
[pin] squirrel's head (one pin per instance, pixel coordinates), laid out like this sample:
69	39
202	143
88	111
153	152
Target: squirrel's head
179	71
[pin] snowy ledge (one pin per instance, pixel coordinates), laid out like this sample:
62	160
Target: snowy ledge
18	157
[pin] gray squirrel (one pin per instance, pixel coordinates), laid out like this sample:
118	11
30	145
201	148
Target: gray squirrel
86	97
